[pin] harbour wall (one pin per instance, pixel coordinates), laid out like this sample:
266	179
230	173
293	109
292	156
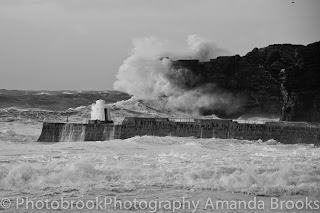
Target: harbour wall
285	132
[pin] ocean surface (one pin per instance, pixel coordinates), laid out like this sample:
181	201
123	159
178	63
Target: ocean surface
39	106
56	100
145	168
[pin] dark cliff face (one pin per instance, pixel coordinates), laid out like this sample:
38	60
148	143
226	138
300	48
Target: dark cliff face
279	80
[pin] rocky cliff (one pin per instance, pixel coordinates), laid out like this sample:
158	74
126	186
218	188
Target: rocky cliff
280	80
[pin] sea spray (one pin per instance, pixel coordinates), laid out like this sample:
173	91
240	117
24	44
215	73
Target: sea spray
67	133
71	132
108	132
149	73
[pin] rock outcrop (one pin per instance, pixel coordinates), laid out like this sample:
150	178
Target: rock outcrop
280	80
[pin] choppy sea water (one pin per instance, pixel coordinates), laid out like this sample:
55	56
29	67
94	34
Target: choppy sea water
146	167
77	168
56	100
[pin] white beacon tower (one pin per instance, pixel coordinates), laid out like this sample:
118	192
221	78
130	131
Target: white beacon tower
97	111
100	113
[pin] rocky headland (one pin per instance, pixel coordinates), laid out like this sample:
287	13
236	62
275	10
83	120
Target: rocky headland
281	80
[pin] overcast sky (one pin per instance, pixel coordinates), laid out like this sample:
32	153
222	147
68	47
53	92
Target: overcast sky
80	44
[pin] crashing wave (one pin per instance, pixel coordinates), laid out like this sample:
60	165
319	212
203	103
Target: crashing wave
43	93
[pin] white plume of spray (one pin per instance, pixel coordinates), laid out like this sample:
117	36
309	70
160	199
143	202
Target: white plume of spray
203	49
142	74
197	101
146	74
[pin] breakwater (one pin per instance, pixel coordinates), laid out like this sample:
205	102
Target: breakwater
284	132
